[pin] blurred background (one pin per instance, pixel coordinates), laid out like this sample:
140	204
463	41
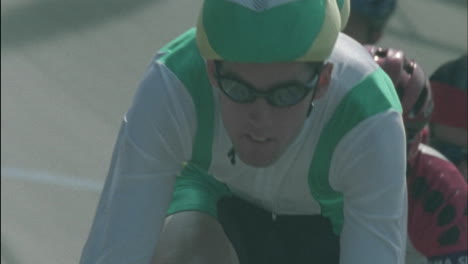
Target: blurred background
69	71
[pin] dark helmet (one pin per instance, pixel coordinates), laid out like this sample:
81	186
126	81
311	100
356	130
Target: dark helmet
412	86
377	10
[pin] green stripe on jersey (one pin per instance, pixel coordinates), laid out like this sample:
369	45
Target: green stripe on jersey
340	3
183	59
195	189
375	94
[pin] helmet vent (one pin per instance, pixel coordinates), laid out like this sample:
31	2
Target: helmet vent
408	67
381	53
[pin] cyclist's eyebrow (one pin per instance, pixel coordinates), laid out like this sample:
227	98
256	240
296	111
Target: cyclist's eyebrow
227	73
315	66
235	77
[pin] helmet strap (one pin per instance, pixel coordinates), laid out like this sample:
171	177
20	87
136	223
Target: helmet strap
232	155
311	106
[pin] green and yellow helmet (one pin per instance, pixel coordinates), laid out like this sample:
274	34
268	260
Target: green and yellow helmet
270	30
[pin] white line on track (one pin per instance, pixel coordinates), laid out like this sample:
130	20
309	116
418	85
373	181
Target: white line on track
48	178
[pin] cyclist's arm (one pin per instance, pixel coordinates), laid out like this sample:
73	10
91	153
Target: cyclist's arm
368	167
154	140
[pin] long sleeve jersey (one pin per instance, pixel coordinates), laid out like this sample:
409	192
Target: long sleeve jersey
348	162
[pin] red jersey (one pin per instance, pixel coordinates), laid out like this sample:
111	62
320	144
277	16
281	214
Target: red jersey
437	207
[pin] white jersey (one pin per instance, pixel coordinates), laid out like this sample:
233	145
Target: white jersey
367	166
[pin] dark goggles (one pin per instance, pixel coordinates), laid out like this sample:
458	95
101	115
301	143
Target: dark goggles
454	153
281	95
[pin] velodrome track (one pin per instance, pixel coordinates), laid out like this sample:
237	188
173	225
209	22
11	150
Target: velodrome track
69	71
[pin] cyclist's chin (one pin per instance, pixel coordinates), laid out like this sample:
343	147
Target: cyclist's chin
259	156
258	162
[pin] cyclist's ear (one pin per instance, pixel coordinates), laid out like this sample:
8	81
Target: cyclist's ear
211	70
324	80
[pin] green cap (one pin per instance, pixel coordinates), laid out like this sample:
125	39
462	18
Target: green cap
270	30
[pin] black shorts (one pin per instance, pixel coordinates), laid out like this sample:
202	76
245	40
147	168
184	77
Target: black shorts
261	238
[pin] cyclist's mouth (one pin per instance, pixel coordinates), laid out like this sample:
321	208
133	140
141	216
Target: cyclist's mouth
258	139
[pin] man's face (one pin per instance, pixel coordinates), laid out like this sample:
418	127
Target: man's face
259	131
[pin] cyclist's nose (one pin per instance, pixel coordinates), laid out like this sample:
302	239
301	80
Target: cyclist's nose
260	113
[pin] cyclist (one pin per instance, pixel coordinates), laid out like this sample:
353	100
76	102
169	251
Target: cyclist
267	102
367	22
449	122
368	19
437	192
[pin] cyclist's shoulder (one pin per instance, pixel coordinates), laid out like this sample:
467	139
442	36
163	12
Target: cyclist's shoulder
181	54
183	43
431	175
429	152
432	165
350	55
353	66
437	197
180	61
